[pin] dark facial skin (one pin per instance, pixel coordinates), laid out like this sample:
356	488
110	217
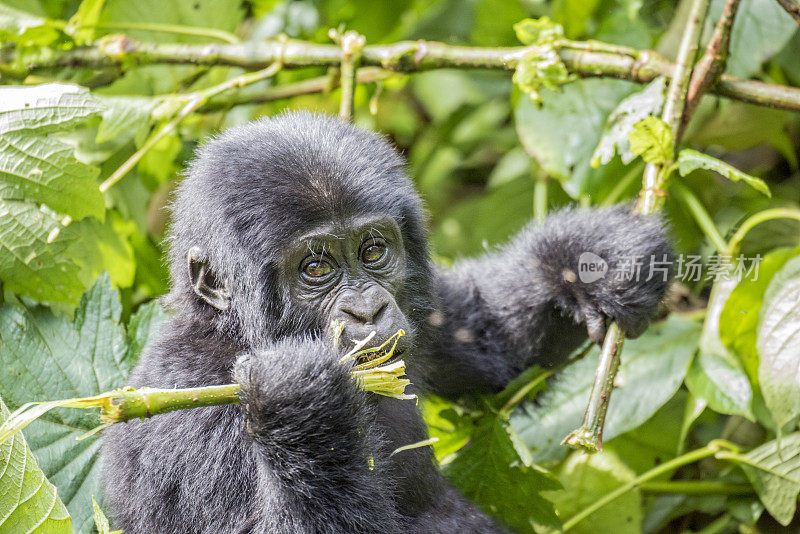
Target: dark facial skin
351	271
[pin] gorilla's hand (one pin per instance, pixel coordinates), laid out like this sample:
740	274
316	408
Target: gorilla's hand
300	401
605	264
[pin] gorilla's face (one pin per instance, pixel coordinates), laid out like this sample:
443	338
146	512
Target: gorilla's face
350	272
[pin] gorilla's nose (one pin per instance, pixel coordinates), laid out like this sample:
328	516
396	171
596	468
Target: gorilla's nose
369	309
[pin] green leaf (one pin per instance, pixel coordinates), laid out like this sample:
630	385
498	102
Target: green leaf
24	28
778	344
82	24
761	30
98	247
47	357
738	321
37	167
774	470
562	133
28	501
100	520
32	254
652	369
489	466
722	384
690	160
589	477
541	31
124	116
651	138
620	122
538	70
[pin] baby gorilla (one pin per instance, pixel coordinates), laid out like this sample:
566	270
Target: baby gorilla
286	224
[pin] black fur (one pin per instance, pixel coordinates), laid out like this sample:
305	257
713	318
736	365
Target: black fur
295	457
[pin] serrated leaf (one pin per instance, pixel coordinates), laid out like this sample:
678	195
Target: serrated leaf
619	124
690	160
28	501
562	133
774	470
98	247
651	138
46	357
26	29
652	369
36	167
778	344
124	116
32	254
489	465
539	31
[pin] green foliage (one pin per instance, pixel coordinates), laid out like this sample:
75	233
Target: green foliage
648	382
75	358
490	464
484	148
651	138
28	501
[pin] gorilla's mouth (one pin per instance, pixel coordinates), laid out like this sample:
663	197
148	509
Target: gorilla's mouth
394	356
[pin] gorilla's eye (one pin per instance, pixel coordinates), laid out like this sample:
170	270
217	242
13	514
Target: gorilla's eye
317	268
373	252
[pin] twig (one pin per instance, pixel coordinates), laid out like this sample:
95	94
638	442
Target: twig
589	436
352	43
584	59
195	100
792	7
712	64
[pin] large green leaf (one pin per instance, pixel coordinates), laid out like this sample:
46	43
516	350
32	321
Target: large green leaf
721	383
738	321
32	254
589	477
25	28
778	344
653	367
489	466
49	357
35	166
774	470
29	503
562	133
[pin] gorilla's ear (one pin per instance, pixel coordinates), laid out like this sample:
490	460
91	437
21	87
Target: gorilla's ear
207	286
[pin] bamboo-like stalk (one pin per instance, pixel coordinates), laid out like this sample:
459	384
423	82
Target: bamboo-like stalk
585	59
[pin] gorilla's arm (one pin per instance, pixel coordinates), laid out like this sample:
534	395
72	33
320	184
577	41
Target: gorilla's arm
292	458
526	303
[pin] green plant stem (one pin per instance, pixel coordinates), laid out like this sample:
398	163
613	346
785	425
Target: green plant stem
792	7
352	43
701	217
540	195
130	403
762	216
589	436
194	101
584	59
697	487
709	450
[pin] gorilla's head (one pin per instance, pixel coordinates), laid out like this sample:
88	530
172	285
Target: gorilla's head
290	222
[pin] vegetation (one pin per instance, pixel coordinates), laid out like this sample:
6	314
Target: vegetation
505	110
